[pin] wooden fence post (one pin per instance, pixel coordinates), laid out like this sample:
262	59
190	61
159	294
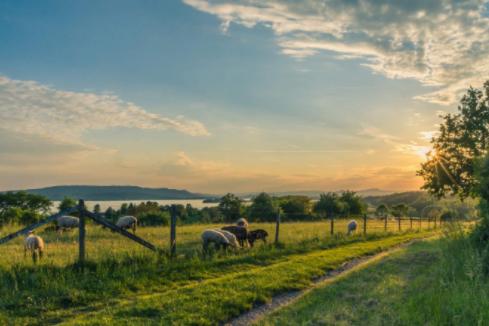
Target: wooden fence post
385	223
435	222
399	224
332	226
277	227
364	224
411	222
419	223
173	231
81	233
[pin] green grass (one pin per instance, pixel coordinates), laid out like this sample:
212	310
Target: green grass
124	282
429	283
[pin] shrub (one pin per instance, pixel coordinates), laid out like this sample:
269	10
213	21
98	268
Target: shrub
154	218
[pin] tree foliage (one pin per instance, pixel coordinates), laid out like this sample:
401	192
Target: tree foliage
462	139
354	204
295	207
22	207
329	205
230	207
262	208
382	211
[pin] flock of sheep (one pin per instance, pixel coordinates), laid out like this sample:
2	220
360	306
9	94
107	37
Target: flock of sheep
234	236
35	244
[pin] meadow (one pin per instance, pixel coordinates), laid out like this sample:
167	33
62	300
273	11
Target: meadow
119	273
450	271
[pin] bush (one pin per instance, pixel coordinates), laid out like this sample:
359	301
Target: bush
154	218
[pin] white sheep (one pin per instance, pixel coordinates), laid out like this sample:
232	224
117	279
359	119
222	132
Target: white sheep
242	222
352	226
66	223
233	241
127	222
35	245
216	237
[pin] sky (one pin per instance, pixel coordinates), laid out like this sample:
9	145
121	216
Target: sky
231	96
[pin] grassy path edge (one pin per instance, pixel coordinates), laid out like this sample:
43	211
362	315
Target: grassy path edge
284	299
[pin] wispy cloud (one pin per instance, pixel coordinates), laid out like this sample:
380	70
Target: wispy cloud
441	43
28	107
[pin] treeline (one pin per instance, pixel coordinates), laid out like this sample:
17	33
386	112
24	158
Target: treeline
25	208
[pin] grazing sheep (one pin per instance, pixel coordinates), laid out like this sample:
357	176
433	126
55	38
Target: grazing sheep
352	226
256	235
242	222
127	222
35	245
66	223
215	237
231	238
240	232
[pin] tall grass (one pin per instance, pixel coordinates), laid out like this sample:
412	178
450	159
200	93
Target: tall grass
458	291
120	268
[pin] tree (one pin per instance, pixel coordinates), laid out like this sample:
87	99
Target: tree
67	203
230	207
24	201
400	210
97	209
354	203
262	208
295	207
382	211
329	205
462	140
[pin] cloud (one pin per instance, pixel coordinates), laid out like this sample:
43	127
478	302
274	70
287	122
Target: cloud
30	108
441	43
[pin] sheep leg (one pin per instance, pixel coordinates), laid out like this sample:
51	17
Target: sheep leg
34	256
41	253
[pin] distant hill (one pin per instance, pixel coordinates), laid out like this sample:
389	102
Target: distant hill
114	193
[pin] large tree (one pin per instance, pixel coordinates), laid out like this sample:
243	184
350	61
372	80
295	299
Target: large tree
295	207
354	203
262	208
462	139
230	207
329	205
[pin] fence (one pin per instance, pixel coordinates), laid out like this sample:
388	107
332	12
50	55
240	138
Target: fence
188	236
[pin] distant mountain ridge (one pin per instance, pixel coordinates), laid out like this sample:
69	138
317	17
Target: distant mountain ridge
114	193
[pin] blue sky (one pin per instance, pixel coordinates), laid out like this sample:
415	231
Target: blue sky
239	96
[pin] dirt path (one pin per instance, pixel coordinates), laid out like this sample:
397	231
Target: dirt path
282	300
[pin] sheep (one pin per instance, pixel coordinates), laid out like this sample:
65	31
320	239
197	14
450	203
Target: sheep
242	222
66	223
352	226
231	238
127	222
256	235
216	237
35	245
240	232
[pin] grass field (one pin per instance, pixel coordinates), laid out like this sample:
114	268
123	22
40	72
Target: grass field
125	282
437	282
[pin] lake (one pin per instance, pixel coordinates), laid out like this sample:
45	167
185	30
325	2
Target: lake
116	204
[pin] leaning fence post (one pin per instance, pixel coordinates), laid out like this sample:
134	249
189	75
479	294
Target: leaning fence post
173	231
364	224
277	227
332	226
81	233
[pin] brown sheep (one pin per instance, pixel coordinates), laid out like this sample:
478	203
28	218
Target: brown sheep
257	235
240	232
